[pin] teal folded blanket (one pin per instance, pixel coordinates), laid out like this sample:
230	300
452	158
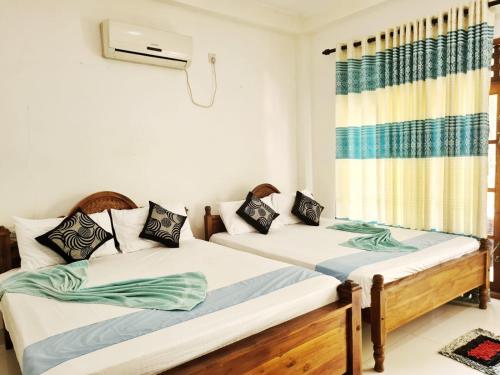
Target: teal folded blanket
67	283
378	239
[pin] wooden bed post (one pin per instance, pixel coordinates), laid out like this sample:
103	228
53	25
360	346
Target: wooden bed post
6	339
6	264
350	292
5	250
485	288
379	333
208	223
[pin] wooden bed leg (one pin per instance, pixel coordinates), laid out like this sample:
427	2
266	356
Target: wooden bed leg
485	288
379	333
483	298
350	292
7	340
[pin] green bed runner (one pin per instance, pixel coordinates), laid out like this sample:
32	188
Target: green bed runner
378	239
67	283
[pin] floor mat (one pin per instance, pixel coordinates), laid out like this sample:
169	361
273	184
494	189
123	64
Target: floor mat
478	349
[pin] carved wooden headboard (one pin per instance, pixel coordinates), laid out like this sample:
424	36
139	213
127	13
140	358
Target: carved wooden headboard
214	224
104	200
94	203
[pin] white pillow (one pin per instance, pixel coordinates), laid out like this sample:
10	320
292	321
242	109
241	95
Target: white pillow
234	223
128	225
284	204
103	220
34	255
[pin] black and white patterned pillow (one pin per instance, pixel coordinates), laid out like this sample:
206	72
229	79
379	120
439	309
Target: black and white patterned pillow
163	226
76	238
307	209
256	213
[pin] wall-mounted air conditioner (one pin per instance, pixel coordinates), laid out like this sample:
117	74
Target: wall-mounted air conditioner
143	45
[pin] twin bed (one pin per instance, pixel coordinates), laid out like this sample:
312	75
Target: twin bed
260	316
396	287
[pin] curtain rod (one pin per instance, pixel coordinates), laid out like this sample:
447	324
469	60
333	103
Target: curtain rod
329	51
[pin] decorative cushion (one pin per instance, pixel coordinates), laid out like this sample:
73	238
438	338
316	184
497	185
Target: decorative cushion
283	204
163	226
34	255
256	213
234	223
307	209
128	225
75	238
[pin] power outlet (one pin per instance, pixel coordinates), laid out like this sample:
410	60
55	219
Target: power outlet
212	58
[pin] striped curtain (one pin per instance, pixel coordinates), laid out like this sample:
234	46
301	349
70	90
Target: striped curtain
412	124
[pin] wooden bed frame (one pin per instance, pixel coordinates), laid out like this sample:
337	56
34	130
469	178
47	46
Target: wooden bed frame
399	302
324	341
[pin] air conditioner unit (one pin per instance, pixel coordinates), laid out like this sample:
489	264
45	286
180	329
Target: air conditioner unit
142	45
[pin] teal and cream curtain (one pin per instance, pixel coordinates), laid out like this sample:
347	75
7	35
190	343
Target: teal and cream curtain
412	124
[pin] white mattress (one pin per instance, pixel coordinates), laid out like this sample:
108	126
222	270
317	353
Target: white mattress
308	246
30	319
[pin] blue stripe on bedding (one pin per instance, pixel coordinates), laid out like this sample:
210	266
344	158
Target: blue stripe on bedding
342	267
52	351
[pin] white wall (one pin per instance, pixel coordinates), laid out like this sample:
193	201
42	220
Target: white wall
368	22
73	123
304	120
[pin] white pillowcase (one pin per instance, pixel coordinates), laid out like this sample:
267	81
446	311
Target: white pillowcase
235	224
284	204
34	255
128	225
103	220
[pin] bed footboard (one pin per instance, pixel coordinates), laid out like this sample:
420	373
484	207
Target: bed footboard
326	341
397	303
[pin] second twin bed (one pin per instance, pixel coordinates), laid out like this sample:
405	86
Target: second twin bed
397	287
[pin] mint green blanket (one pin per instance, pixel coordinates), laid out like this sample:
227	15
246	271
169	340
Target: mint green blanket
67	283
378	239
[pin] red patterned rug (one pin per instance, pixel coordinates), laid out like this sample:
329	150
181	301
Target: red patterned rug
478	349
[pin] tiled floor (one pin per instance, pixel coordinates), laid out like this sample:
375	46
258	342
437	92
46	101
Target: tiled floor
411	349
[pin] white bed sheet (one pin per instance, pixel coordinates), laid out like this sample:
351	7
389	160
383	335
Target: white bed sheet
30	319
307	246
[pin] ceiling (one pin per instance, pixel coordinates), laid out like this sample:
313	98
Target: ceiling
290	16
302	8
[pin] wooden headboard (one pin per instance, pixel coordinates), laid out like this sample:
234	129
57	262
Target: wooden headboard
103	200
97	202
214	224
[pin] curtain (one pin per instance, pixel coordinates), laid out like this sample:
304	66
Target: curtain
412	124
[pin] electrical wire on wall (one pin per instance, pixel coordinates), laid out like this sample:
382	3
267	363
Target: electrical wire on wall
212	61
